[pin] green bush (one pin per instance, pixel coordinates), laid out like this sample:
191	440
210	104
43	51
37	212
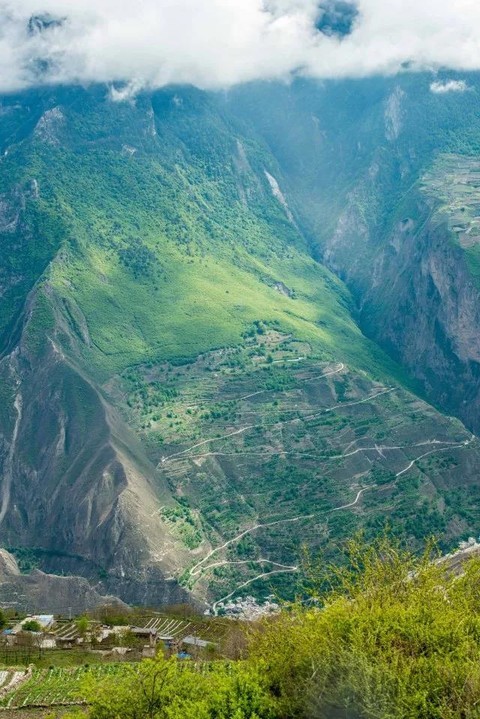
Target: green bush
170	689
31	626
389	636
385	635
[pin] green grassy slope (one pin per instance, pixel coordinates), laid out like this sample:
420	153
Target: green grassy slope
177	282
170	207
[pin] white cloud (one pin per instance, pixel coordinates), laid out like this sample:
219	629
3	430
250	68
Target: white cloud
217	43
441	88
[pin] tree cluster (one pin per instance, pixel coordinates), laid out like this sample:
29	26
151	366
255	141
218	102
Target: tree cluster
385	635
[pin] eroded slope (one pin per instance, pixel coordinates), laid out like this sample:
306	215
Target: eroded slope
178	371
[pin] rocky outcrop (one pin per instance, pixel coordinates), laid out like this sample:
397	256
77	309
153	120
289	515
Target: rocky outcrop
42	592
434	320
75	483
416	296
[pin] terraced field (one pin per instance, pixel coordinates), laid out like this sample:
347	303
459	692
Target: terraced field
55	686
454	182
266	447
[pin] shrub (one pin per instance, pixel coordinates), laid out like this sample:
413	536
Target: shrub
160	688
388	636
31	626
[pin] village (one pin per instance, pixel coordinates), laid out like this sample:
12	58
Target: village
108	635
44	657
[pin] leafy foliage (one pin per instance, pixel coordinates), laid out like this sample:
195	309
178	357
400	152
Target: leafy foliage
160	688
31	626
386	635
395	637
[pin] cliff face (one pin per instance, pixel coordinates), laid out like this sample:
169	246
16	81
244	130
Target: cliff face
76	483
417	298
384	175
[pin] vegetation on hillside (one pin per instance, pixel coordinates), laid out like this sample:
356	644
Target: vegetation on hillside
170	282
386	635
242	441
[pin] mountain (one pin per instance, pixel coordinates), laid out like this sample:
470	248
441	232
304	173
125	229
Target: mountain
21	590
384	174
219	332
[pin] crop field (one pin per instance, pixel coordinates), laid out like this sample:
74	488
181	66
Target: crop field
454	180
53	687
268	447
60	687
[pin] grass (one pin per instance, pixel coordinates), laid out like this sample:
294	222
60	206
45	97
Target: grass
162	255
202	305
44	659
290	462
56	686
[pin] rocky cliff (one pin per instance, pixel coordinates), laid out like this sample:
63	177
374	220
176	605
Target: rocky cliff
418	299
384	175
76	483
39	592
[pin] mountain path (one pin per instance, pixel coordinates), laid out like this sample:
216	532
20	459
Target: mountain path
285	568
434	451
199	568
167	459
376	448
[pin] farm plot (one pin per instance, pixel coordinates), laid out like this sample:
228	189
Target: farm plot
5	679
67	631
178	629
56	686
169	627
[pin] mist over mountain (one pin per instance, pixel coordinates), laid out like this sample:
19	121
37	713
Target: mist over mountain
217	45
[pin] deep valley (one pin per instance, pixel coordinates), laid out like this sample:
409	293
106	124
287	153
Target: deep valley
236	328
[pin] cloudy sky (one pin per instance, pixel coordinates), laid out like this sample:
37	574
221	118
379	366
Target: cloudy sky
217	43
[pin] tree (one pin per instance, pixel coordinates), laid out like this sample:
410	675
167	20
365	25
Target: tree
83	625
113	615
166	689
31	625
127	638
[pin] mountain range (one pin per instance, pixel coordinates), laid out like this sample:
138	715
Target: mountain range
236	328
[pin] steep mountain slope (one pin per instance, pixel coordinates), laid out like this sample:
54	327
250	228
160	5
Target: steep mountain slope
380	171
46	592
186	396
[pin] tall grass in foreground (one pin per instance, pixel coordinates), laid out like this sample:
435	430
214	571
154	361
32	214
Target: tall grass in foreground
397	636
389	636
